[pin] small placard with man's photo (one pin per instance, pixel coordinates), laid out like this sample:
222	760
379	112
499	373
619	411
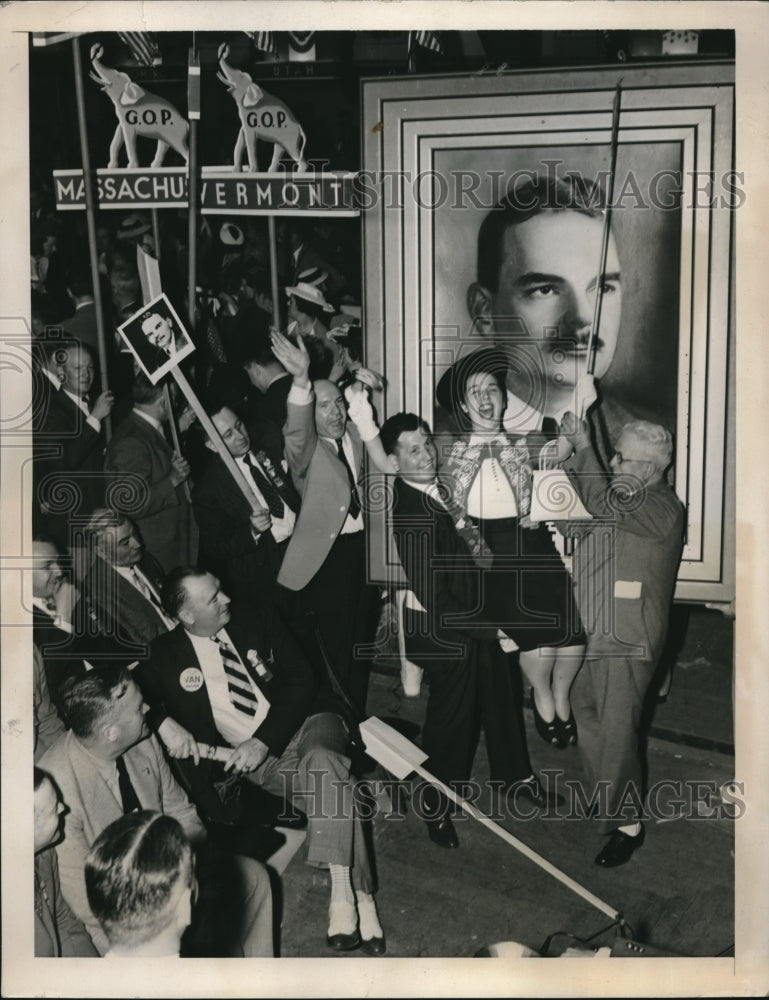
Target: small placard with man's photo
157	338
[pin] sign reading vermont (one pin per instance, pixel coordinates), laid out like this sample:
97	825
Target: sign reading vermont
222	191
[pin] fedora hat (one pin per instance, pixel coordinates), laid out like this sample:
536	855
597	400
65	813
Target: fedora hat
450	391
301	290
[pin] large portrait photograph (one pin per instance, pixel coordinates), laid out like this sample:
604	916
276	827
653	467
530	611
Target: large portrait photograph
383	549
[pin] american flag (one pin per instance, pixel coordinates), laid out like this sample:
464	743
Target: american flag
143	47
427	39
264	41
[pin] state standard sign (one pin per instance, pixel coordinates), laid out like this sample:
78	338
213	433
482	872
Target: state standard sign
222	191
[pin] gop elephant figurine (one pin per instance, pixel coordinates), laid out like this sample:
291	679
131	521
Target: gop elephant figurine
262	117
139	113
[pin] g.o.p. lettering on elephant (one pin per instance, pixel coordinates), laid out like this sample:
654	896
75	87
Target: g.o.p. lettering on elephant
139	113
262	116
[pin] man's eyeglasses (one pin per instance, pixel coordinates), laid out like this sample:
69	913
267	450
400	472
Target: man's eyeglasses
620	459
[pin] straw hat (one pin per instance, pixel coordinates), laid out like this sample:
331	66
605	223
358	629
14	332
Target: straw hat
231	235
312	276
301	290
131	226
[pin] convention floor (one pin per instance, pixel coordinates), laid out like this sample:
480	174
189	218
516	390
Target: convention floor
451	903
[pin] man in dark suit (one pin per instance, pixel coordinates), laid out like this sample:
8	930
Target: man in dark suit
267	375
446	635
69	440
124	581
82	325
65	628
146	477
245	549
245	685
325	564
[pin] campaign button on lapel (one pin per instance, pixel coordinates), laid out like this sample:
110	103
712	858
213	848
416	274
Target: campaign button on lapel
191	679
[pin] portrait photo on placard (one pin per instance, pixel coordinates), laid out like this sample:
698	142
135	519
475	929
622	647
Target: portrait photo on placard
157	338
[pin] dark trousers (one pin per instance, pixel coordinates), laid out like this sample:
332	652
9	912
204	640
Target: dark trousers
343	606
467	693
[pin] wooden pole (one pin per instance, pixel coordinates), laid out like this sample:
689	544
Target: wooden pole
207	424
524	849
156	233
149	273
605	235
273	239
90	213
193	200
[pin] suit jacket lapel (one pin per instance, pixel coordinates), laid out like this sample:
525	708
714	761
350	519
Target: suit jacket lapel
182	657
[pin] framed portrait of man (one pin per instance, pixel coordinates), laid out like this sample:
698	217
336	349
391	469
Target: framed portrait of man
156	337
488	230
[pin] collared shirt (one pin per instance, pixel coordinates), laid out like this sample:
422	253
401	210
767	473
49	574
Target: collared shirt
56	618
303	397
54	380
127	572
235	726
351	525
490	496
150	420
82	405
282	527
108	770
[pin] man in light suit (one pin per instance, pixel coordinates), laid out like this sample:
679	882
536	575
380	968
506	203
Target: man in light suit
108	765
124	581
625	567
244	685
146	478
325	564
58	932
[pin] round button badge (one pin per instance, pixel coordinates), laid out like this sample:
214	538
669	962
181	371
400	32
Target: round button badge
191	679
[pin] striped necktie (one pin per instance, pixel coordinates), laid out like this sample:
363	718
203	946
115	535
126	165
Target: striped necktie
268	490
238	683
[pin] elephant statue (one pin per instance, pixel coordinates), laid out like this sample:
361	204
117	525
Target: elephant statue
139	113
262	117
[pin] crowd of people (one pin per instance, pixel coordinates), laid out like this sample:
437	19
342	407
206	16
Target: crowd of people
202	640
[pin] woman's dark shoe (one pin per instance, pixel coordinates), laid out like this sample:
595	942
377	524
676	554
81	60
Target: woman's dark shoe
567	730
549	731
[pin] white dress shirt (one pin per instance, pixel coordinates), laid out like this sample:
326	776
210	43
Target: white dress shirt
139	581
490	496
234	725
82	405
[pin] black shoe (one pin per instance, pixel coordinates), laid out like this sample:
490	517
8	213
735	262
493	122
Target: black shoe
549	731
532	790
344	942
373	946
619	848
567	731
442	832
